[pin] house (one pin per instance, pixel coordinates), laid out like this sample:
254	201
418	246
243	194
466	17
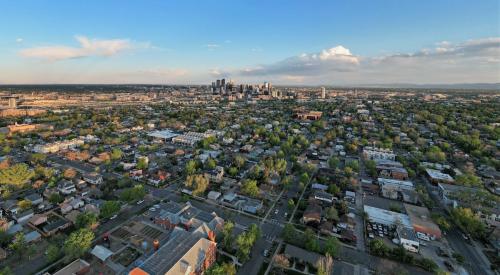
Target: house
38	219
66	187
213	195
312	214
323	197
65	207
250	205
350	196
93	178
32	236
216	174
76	203
347	221
436	177
34	198
23	217
318	186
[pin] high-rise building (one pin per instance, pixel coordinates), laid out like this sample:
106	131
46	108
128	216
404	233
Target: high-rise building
218	83
12	102
323	92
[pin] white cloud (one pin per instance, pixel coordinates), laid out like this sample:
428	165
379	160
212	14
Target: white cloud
19	40
337	58
88	47
469	61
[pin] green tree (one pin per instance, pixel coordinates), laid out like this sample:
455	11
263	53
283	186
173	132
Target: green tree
116	154
142	163
233	171
37	158
245	241
310	240
239	161
53	253
291	204
378	248
6	271
289	234
109	208
133	194
191	167
250	188
332	246
222	269
18	245
354	165
468	179
227	234
24	204
210	164
435	154
332	214
86	220
56	198
197	183
16	176
468	221
78	243
304	178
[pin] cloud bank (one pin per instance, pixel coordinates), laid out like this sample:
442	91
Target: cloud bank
87	47
470	61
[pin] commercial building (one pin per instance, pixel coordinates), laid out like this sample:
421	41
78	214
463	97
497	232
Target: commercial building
422	223
58	146
398	190
387	217
374	153
308	115
164	135
192	138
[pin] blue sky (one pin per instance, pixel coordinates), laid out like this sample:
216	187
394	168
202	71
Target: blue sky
249	41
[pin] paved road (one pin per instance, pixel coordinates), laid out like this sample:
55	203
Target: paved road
473	261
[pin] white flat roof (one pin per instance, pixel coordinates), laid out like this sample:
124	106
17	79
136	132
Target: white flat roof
435	174
165	134
387	217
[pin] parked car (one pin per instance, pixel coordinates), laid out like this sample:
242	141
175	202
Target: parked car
265	253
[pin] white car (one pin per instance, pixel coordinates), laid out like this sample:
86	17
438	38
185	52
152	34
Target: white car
276	212
113	217
139	202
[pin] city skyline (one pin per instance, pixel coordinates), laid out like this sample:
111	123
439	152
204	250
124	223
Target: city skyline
360	43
